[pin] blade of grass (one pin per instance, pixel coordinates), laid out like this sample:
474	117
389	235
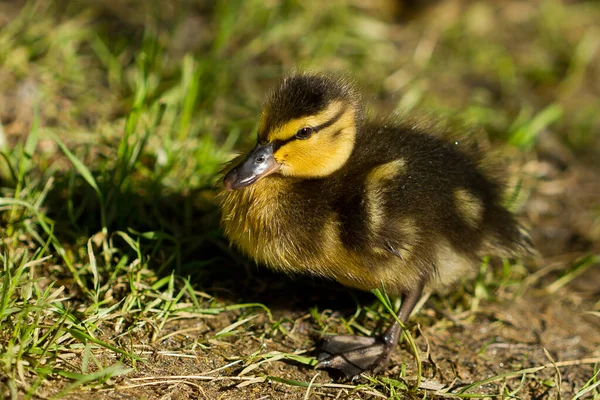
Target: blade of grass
580	266
385	300
85	173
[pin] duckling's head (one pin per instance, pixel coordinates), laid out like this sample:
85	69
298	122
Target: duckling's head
307	130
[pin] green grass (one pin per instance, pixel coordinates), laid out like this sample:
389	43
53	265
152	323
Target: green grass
115	121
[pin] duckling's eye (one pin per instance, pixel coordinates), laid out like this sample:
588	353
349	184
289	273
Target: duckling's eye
304	133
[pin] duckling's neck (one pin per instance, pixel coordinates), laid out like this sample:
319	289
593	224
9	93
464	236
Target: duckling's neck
251	218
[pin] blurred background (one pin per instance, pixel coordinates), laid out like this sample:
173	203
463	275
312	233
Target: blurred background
187	79
116	117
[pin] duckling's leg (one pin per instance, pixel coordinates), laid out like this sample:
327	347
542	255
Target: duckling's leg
353	355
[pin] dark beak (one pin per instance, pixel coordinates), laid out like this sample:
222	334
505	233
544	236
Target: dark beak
259	163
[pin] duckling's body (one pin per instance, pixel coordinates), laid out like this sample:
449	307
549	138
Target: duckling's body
368	204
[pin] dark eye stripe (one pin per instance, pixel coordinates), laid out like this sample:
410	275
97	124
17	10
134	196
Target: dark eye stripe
277	144
332	121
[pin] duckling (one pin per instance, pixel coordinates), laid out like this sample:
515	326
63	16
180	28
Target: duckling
327	192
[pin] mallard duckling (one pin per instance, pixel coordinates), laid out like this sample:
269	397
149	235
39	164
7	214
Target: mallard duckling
371	205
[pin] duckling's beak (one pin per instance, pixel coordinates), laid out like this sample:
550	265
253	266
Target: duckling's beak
259	163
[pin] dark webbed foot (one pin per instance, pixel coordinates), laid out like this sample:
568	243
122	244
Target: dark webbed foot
353	355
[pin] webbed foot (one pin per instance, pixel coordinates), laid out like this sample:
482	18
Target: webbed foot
353	355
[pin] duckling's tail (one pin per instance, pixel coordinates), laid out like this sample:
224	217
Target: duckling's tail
514	242
523	244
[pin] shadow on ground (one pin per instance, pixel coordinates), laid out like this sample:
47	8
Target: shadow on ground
189	226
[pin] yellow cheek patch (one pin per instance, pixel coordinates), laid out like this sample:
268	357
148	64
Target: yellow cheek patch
323	153
288	130
316	157
469	207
